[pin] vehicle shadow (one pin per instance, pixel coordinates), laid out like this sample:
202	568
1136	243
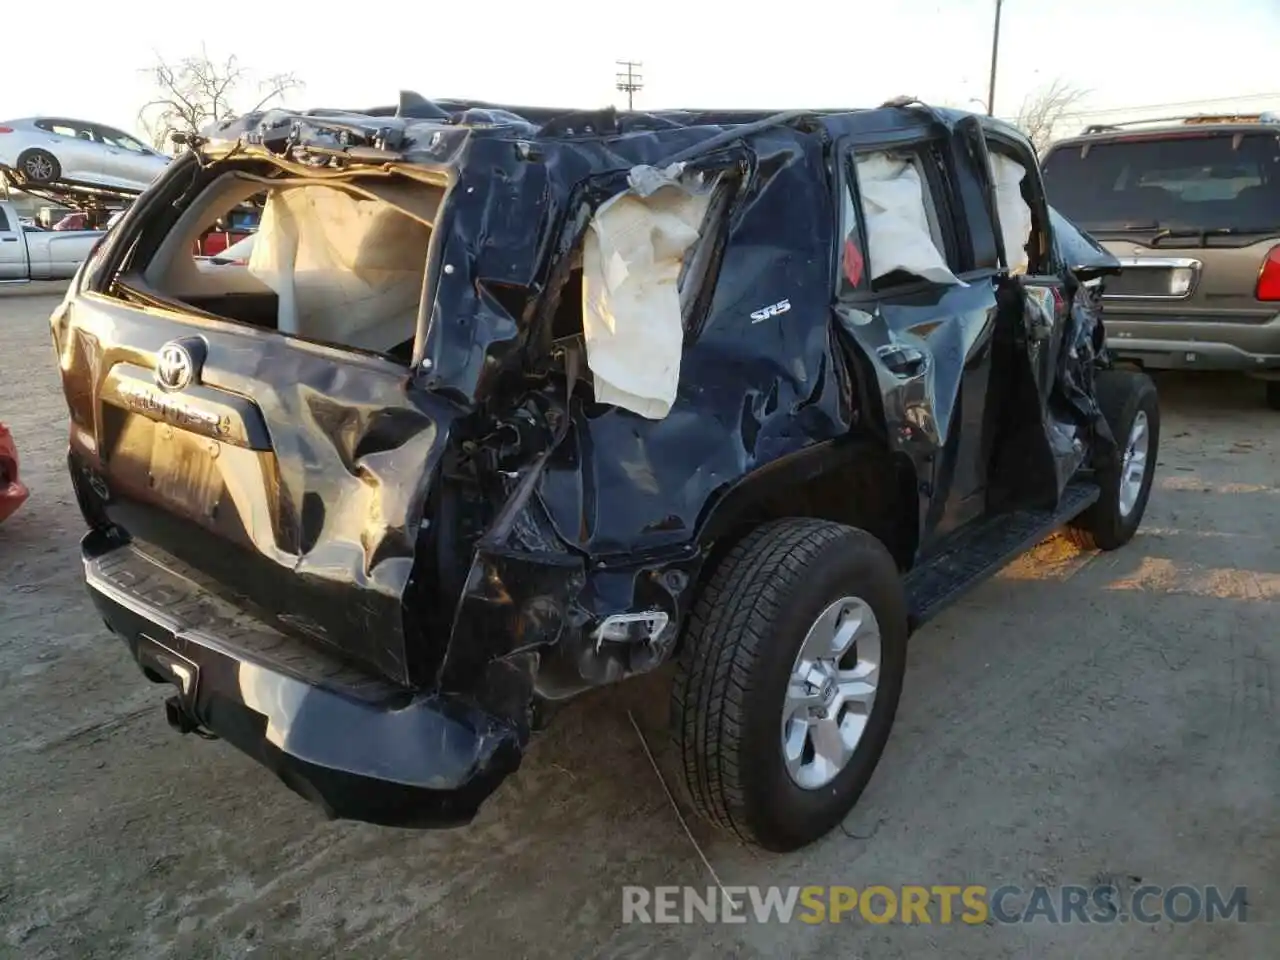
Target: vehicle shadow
37	288
1191	393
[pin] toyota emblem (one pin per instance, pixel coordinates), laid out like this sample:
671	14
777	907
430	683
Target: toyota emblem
174	366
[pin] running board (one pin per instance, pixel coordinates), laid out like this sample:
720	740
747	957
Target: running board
977	553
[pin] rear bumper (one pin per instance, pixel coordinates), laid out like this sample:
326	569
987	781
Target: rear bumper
1178	344
354	745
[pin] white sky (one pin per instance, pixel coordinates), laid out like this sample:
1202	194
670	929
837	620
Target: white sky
561	52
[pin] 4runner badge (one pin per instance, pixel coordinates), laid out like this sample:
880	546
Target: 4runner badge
174	366
773	310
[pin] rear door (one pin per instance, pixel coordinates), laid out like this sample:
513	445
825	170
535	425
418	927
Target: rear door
926	337
13	248
1190	215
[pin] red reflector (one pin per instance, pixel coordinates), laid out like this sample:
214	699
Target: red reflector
6	129
1269	276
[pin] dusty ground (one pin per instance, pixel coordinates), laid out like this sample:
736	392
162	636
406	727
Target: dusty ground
1079	718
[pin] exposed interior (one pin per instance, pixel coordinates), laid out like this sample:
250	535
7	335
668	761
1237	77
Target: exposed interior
339	262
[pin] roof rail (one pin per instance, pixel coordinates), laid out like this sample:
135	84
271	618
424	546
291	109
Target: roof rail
1264	117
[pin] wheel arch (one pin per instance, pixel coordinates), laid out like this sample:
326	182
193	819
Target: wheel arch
23	156
855	481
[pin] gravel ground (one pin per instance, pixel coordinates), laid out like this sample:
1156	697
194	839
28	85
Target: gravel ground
1080	719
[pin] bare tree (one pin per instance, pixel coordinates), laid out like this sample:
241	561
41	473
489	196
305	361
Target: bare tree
1044	109
196	91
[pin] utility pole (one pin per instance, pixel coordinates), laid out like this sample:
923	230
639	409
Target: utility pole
995	56
629	80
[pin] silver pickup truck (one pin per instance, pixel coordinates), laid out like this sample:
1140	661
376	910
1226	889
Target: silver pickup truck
30	253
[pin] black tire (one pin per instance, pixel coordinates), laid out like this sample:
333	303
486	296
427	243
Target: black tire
39	166
732	674
1273	394
1121	394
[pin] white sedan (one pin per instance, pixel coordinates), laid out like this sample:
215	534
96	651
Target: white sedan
51	150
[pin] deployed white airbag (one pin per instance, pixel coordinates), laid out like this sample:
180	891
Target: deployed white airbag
898	234
347	270
631	263
1015	216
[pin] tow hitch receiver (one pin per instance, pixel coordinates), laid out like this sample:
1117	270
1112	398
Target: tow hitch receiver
182	721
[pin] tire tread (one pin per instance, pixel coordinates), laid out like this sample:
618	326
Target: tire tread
729	624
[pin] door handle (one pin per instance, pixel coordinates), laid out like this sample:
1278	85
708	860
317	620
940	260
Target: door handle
8	239
905	362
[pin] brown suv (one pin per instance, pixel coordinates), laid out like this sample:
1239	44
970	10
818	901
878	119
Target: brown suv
1191	207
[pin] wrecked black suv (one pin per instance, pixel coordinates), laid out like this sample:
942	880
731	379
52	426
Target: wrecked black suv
505	404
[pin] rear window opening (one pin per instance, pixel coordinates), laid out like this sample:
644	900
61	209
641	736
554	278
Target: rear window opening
1223	181
336	262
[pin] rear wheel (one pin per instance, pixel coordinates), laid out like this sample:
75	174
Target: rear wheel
789	680
1273	394
39	166
1131	406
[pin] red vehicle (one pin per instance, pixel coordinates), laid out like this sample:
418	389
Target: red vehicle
240	223
12	492
215	242
82	220
73	221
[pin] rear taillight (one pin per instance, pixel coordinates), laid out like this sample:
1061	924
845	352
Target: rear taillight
6	129
1269	276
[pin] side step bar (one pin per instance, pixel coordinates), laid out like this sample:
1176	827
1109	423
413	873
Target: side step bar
974	555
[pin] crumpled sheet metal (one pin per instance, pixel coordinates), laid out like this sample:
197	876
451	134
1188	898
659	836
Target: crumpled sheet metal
749	393
915	362
1045	345
328	533
625	487
1083	345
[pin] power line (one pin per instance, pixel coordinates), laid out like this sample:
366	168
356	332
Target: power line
1144	108
630	81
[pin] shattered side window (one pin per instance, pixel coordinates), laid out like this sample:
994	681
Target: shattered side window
853	261
698	267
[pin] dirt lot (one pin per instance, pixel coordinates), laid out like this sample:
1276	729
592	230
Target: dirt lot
1081	719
